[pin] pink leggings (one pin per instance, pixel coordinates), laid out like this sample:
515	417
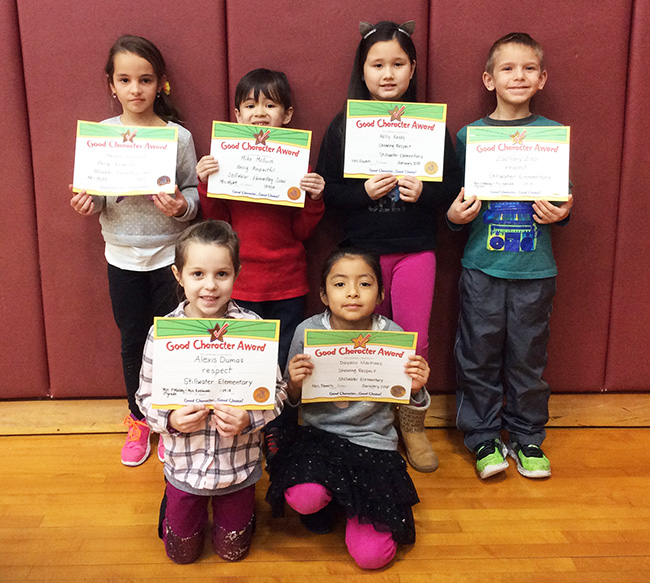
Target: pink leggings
369	548
409	279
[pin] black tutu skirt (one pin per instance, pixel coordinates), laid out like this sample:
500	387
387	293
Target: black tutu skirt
372	484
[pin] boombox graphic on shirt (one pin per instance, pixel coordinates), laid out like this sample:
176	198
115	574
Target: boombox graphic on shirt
511	226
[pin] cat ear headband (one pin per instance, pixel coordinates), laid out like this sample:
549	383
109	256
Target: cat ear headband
366	29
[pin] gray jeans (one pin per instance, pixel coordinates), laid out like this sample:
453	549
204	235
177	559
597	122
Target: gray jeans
500	351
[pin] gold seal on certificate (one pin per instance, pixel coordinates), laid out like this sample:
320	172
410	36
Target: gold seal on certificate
204	361
403	139
398	391
118	160
358	365
431	168
294	193
517	163
259	163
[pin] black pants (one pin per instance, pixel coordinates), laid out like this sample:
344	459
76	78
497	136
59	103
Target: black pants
290	312
136	297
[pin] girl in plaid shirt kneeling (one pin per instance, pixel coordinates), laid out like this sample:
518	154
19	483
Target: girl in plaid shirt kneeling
208	455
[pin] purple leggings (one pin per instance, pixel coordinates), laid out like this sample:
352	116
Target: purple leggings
409	279
186	515
369	548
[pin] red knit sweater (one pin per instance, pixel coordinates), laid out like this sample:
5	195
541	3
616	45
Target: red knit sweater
274	266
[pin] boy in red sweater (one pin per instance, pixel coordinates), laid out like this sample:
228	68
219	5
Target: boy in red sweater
273	280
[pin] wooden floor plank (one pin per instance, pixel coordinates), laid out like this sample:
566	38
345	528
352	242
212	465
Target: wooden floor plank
51	417
57	417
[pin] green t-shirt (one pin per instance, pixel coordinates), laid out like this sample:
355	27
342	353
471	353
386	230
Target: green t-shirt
504	240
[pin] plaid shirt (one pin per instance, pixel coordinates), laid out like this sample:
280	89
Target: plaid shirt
204	461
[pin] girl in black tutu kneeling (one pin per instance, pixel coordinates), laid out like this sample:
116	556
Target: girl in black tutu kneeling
345	453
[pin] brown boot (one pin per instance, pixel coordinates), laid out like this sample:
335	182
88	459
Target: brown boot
419	452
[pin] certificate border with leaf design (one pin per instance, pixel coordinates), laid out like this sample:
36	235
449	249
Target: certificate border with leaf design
399	138
205	361
358	365
522	163
119	160
259	163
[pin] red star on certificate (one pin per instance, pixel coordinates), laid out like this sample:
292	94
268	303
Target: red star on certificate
128	135
218	332
361	341
518	138
396	114
261	137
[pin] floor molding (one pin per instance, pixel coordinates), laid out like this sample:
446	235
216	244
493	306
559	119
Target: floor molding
567	410
51	417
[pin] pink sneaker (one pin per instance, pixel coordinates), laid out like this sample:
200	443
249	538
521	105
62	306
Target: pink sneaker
136	449
161	449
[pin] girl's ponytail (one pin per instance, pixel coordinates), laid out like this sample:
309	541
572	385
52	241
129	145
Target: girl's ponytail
165	109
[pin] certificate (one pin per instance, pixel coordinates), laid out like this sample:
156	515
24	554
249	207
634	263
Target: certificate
259	163
118	160
205	361
517	163
403	139
358	365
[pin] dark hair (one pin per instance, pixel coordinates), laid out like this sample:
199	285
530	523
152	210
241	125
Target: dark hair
372	259
209	232
162	105
519	38
273	84
382	31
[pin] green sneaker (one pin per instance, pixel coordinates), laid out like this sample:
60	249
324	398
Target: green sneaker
490	458
531	461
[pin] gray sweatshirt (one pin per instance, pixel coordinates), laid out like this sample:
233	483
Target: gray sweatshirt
135	221
364	423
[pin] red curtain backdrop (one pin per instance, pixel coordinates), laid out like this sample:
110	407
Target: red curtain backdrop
59	338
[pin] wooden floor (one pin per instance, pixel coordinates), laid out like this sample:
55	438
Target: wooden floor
52	417
69	511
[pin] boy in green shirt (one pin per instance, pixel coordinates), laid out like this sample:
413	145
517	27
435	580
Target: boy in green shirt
507	286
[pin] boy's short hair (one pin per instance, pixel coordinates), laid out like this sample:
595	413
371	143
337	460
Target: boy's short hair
273	84
519	38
